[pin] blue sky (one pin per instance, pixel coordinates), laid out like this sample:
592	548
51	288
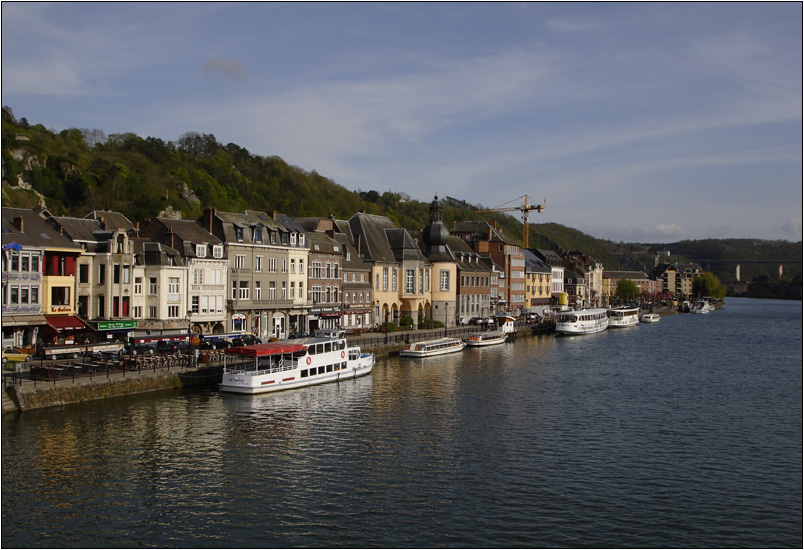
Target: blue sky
645	122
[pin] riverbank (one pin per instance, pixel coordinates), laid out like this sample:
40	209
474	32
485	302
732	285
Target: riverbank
23	392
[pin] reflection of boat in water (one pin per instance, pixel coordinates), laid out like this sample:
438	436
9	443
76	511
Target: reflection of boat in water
286	365
584	321
489	338
623	317
428	348
650	318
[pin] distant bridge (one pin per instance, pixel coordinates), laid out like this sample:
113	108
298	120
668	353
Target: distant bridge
738	263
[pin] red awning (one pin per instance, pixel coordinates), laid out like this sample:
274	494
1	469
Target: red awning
271	348
59	324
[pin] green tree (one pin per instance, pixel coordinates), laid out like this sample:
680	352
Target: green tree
627	290
707	284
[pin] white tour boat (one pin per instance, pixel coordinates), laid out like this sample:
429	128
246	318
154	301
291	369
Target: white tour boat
700	306
651	318
428	348
622	317
289	364
488	338
584	321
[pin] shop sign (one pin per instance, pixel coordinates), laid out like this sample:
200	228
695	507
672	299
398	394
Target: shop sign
116	325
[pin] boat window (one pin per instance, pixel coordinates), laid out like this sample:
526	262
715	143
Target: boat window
304	373
327	347
329	368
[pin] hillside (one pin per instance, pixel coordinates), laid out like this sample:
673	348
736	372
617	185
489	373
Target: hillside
76	171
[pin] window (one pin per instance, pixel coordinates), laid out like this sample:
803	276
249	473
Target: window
385	278
126	274
198	276
116	274
136	312
315	268
201	250
173	312
244	290
272	265
292	289
284	265
101	274
173	285
284	290
292	239
240	261
194	304
238	233
272	290
137	286
393	279
217	251
258	235
257	290
301	239
258	263
421	281
83	273
409	281
152	312
444	279
152	286
101	306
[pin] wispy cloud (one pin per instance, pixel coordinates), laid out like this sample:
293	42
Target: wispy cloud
230	68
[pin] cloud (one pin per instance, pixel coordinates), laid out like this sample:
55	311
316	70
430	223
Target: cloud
230	68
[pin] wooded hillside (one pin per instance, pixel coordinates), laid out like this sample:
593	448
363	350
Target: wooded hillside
76	171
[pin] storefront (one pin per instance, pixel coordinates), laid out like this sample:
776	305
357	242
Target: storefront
65	330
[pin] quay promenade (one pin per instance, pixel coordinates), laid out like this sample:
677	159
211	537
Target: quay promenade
51	383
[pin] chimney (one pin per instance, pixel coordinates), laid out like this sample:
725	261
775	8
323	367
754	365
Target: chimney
209	213
18	223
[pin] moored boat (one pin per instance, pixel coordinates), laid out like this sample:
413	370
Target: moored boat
651	318
489	338
292	364
623	317
428	348
700	306
584	321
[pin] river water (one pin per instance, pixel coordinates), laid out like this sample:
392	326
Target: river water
684	433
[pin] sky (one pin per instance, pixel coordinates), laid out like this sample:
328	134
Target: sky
635	122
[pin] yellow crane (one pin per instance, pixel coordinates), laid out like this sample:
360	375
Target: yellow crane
525	208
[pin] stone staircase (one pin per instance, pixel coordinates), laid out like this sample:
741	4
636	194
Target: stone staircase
9	405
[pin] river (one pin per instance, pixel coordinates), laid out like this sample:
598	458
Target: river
683	433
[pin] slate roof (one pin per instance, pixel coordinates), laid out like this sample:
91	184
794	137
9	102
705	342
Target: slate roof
482	231
113	220
36	232
630	275
370	237
88	232
549	257
534	264
247	219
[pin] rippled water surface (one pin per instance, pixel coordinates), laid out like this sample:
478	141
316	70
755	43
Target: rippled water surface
686	433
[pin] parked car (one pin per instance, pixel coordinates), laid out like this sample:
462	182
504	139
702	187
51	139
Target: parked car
215	343
15	355
137	349
172	346
245	340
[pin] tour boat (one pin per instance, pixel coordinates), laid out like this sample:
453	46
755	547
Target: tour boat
290	364
700	306
489	338
651	318
428	348
623	317
584	321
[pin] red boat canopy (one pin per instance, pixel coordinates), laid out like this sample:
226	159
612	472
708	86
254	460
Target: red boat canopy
271	348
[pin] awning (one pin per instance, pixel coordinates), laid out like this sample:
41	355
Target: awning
23	320
262	350
57	324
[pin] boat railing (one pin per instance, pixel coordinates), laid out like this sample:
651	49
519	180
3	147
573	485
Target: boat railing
248	368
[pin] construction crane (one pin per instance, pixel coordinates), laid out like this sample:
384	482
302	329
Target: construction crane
525	208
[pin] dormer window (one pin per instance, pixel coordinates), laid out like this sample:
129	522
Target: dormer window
217	252
292	238
201	250
258	235
273	237
239	233
301	239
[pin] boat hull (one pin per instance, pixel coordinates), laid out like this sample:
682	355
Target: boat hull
413	352
489	342
650	318
587	321
288	380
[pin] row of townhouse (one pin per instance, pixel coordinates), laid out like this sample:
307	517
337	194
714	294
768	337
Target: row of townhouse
105	278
